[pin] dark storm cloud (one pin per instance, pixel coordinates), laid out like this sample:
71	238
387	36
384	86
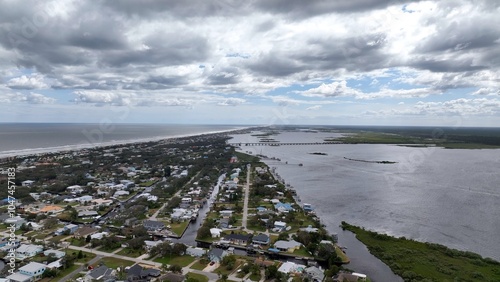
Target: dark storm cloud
162	49
275	64
460	37
303	9
450	65
181	9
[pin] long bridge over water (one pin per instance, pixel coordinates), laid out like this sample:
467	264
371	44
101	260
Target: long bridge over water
284	143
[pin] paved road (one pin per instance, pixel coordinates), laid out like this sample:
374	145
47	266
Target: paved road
245	201
79	269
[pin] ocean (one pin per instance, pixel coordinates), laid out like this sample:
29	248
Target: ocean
34	138
445	196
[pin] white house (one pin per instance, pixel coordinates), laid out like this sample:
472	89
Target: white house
186	200
195	252
33	269
27	251
215	232
27	183
74	189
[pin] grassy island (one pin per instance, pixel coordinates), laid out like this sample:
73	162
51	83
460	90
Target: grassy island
417	261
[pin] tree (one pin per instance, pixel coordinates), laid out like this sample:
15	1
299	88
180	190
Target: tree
204	232
50	223
87	239
80	254
175	268
271	272
179	249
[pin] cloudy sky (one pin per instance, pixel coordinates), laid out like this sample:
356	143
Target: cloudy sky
367	62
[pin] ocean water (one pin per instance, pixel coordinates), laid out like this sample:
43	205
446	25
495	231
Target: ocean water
31	138
451	197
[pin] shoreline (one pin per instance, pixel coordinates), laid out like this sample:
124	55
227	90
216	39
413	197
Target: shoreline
77	147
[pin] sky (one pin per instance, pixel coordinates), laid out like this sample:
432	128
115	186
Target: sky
356	62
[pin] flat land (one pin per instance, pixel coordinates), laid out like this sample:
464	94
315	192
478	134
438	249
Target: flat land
416	261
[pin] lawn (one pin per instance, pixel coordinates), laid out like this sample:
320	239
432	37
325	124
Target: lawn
199	266
178	228
199	277
130	253
342	255
254	277
58	238
414	260
179	260
302	252
78	242
114	262
65	272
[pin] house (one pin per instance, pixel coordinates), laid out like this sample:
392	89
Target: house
215	232
34	226
239	239
346	276
261	239
121	193
309	229
186	200
27	251
57	254
17	221
195	252
226	213
100	273
49	209
33	269
88	214
283	207
224	223
150	244
178	213
70	228
314	274
18	277
291	268
74	189
279	226
84	231
287	246
27	183
99	235
153	225
216	255
138	273
307	207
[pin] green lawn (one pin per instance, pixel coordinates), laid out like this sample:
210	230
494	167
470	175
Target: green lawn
130	252
254	277
178	228
77	242
199	266
199	277
415	261
65	272
114	262
302	252
179	260
342	255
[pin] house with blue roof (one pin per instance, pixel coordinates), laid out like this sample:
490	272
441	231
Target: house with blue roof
283	207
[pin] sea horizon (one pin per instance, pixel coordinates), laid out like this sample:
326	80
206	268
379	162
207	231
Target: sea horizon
41	138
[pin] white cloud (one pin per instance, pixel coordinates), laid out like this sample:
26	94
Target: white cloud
30	98
34	81
313	108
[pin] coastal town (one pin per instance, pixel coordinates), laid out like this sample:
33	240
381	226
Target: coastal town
183	209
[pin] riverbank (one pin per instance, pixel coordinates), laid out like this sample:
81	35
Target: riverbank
416	261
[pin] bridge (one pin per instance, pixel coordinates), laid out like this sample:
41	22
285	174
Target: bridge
284	143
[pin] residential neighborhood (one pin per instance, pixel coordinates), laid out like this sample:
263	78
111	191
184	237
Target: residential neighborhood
127	212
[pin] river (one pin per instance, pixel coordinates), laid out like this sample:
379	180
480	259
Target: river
437	195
